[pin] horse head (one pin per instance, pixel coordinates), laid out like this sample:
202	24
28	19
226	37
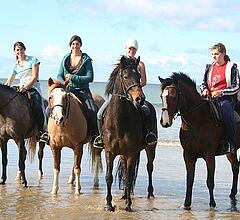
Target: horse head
169	97
57	100
127	83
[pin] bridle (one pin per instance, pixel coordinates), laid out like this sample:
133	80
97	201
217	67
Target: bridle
66	108
177	111
126	88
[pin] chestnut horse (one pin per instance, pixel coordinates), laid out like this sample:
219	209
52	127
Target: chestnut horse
123	126
17	122
67	127
200	134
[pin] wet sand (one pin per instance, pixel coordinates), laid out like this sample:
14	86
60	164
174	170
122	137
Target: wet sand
36	202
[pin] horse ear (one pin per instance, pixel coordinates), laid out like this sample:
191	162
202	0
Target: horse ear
123	61
161	79
138	60
50	81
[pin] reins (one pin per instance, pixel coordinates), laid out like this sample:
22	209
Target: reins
178	113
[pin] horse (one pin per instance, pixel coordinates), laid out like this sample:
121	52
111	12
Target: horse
122	130
67	127
200	134
17	122
95	153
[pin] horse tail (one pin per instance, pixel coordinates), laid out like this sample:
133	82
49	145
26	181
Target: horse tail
120	173
96	159
31	147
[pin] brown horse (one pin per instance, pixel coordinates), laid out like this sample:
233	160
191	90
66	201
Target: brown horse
123	125
17	122
67	127
200	134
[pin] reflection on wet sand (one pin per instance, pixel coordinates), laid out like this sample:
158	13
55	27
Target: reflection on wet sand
36	202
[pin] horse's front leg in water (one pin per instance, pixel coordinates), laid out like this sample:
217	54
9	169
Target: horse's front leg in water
4	162
57	157
109	181
78	152
22	159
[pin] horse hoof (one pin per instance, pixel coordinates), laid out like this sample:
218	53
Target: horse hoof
2	182
186	207
150	196
109	208
128	209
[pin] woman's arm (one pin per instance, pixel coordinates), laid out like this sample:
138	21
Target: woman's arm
10	79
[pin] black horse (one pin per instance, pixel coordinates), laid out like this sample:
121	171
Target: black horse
123	130
200	135
17	122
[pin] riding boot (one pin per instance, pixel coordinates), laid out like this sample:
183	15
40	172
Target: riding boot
150	137
98	140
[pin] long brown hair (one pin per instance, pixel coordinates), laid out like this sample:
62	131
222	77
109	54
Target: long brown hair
19	44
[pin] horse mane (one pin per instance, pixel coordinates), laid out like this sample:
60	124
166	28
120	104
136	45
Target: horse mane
127	62
111	80
182	77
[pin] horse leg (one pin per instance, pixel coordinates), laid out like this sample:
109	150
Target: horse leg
210	179
190	167
235	170
22	159
150	156
4	162
131	163
57	160
72	177
97	164
109	180
40	159
123	167
78	152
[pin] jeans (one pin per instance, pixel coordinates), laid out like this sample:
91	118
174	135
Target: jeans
227	105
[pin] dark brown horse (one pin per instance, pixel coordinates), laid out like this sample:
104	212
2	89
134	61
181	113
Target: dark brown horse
123	126
17	123
200	134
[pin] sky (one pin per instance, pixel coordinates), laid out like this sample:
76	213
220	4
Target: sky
173	35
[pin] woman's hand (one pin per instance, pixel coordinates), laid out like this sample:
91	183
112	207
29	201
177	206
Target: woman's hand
216	93
68	77
205	93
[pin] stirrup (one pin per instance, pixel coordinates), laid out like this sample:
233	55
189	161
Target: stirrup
97	143
45	138
151	139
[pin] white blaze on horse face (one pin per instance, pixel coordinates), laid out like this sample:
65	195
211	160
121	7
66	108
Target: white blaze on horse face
57	112
165	116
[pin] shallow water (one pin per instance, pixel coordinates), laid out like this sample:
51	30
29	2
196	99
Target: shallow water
36	202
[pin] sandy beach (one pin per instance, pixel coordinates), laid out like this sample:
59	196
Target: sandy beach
36	202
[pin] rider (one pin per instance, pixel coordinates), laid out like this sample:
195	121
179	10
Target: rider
221	81
131	47
27	68
76	67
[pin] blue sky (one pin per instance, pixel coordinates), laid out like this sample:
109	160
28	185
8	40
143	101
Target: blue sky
173	35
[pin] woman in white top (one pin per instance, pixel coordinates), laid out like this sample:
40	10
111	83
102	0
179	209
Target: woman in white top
131	47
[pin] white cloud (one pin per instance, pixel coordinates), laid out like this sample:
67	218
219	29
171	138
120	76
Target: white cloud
204	14
52	52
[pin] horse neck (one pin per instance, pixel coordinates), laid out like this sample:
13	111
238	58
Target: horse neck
190	103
